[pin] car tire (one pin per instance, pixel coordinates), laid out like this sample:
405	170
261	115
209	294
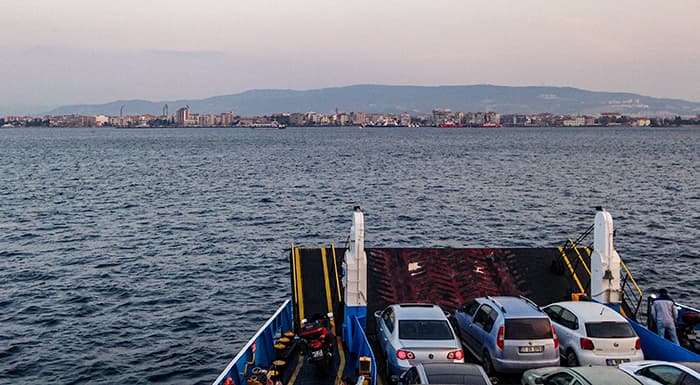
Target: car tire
487	363
571	359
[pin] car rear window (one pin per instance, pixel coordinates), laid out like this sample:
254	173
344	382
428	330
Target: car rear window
424	330
528	329
609	330
456	379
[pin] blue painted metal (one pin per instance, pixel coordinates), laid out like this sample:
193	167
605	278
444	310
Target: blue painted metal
259	350
656	347
359	312
357	342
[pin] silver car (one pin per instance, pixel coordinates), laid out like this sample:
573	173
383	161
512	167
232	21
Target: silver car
661	372
448	374
582	375
409	333
508	334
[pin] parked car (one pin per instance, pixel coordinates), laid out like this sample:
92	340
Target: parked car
664	373
409	333
507	334
448	374
593	334
584	375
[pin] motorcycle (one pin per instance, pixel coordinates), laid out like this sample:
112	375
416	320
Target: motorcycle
318	342
688	329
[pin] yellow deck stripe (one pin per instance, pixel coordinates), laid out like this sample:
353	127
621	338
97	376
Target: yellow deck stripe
580	258
571	268
300	286
327	281
294	276
341	367
337	279
293	378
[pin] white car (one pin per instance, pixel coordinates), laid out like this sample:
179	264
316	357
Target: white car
664	373
593	334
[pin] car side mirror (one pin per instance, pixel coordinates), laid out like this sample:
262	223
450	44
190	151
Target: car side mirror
378	313
539	380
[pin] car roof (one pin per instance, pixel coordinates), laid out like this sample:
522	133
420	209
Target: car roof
468	372
515	306
605	375
449	367
418	311
591	311
636	365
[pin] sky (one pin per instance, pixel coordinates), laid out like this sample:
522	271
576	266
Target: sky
58	52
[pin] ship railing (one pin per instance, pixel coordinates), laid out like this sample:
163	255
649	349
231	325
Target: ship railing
259	350
632	295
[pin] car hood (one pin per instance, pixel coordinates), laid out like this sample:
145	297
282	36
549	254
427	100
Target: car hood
539	372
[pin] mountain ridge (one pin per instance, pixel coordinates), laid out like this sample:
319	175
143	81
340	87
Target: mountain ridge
378	98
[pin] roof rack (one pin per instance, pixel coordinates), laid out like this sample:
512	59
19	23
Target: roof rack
528	300
503	309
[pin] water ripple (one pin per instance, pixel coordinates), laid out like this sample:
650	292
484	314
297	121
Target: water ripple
151	256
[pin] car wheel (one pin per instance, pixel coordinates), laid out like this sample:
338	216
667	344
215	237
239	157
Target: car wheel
571	359
487	363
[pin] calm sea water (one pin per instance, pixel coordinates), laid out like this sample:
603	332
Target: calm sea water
151	256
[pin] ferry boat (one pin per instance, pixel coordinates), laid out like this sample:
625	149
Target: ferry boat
347	285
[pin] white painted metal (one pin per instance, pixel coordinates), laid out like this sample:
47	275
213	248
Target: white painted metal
355	263
605	262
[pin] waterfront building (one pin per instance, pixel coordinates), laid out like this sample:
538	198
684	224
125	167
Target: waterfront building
441	115
405	119
182	116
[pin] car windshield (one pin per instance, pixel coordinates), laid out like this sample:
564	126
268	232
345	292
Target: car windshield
456	379
528	329
609	330
424	330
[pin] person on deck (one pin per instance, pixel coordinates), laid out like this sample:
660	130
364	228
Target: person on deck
665	313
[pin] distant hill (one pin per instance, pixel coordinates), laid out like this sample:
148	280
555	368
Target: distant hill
413	99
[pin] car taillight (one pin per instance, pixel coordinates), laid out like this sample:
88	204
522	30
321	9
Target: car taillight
638	344
456	355
556	339
499	338
405	355
587	344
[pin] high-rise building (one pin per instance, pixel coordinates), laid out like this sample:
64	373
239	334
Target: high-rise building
182	116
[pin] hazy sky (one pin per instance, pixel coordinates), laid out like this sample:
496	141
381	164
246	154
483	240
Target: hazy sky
56	52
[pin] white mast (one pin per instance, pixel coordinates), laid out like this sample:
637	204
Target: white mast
355	279
605	262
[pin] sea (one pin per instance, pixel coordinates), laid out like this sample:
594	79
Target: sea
151	256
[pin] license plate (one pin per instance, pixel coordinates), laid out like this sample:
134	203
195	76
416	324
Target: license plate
317	354
530	349
616	361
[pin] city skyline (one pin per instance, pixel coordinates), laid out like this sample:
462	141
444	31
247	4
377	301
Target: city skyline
78	51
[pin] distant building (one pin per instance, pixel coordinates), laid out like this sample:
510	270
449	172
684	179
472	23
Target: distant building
182	116
577	121
441	115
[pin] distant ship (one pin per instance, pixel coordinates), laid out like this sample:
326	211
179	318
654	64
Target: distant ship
273	125
449	125
491	125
